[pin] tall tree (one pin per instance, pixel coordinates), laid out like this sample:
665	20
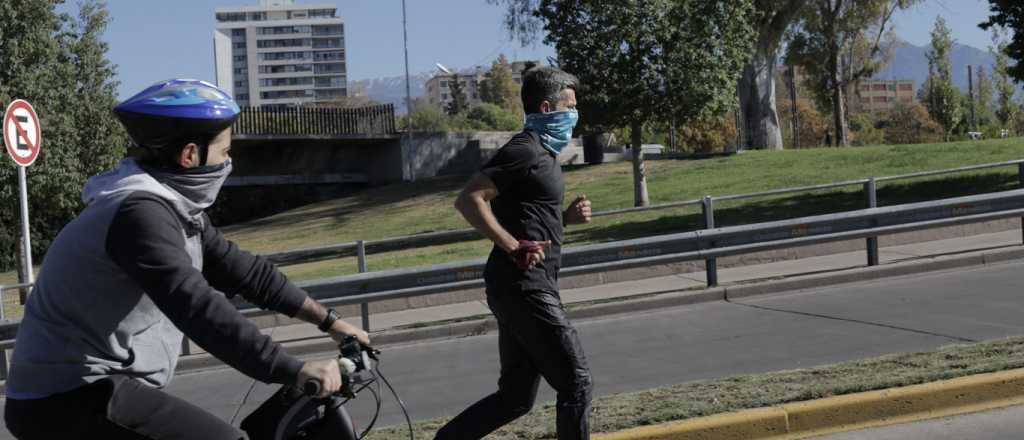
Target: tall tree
58	63
1009	14
1006	105
838	43
941	97
643	61
459	102
500	89
755	88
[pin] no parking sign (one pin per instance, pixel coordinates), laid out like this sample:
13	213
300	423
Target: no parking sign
23	137
22	134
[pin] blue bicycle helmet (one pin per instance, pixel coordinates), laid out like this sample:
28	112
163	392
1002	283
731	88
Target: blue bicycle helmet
175	112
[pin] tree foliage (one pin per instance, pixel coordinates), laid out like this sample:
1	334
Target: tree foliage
838	43
459	102
943	100
500	89
1009	14
643	61
1006	106
58	63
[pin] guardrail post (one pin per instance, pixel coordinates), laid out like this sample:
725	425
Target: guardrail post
710	264
3	314
1020	177
364	307
870	189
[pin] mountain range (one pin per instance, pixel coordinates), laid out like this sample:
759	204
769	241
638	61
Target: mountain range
909	62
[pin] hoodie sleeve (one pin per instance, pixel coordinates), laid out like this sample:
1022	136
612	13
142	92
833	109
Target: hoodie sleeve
146	240
234	271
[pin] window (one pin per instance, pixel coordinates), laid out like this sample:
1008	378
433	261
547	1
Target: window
879	99
878	87
331	81
865	100
239	58
241	84
321	13
328	30
277	56
285	94
257	16
231	16
444	96
865	88
242	96
907	87
241	71
329	56
290	42
326	43
279	30
287	68
238	32
239	45
444	83
281	82
328	68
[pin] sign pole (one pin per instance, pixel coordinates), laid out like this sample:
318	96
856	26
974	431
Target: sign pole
27	242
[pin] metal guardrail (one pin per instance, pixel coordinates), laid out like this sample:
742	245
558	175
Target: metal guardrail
307	255
707	244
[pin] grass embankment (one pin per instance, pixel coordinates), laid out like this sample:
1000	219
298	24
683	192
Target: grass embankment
425	206
702	398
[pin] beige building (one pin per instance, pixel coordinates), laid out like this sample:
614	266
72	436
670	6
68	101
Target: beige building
278	53
883	94
438	90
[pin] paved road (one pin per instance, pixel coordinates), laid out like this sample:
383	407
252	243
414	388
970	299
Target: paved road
999	424
711	340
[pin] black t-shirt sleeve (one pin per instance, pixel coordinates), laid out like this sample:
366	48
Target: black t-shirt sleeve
234	271
145	239
511	163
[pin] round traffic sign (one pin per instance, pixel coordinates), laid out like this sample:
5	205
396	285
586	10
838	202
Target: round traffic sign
22	134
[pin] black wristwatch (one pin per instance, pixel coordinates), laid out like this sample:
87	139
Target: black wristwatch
332	315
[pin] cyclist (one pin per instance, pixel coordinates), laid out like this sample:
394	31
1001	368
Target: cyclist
140	266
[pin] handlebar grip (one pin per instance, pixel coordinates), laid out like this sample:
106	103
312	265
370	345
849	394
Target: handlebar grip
312	387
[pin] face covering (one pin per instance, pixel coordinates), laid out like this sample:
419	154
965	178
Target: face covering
555	128
199	186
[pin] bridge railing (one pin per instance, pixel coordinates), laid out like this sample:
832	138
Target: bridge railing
316	121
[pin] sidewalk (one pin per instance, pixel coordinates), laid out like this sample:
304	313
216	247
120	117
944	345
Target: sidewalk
384	322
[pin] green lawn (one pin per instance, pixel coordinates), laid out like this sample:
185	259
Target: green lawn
426	205
707	397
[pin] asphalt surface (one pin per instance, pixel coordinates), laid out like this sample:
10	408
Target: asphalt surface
999	424
710	340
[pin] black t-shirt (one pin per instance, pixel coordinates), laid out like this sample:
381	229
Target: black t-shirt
529	206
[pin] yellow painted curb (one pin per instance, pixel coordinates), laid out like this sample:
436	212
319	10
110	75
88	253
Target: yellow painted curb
844	413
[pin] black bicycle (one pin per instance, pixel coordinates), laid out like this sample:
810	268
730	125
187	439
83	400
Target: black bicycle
293	413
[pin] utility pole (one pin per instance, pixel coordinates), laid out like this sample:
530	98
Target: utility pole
408	100
970	95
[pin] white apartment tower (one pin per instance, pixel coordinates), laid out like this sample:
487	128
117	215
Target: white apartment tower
278	53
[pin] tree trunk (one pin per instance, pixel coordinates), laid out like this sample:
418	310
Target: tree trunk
791	82
639	172
757	102
838	110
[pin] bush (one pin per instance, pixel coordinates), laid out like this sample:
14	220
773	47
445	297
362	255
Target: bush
488	116
709	135
866	129
813	125
911	124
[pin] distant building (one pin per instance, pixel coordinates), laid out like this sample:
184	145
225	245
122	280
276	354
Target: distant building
280	54
883	94
438	91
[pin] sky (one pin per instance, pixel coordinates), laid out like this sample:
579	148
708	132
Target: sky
153	40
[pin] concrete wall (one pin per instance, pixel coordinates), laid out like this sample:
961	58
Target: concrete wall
445	154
